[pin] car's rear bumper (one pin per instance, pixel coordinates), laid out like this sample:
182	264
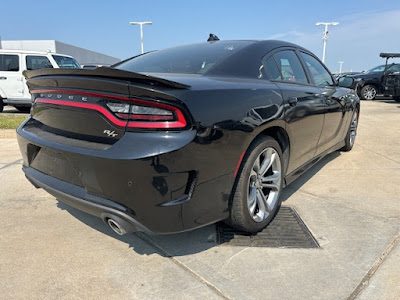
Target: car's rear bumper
158	182
77	197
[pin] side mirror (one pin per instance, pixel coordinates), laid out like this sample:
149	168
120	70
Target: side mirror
346	82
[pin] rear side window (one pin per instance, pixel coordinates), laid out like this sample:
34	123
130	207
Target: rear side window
66	62
271	69
290	66
318	72
37	62
9	62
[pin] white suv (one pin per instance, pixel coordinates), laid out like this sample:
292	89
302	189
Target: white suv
13	89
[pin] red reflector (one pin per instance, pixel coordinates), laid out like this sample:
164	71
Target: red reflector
238	164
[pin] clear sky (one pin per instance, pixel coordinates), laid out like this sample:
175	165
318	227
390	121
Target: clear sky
366	28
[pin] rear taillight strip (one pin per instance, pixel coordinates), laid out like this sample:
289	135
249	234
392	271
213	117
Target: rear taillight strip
95	107
179	123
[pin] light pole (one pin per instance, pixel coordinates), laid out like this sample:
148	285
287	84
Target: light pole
141	31
340	68
325	37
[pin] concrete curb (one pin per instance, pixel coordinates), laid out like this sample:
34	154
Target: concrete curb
8	134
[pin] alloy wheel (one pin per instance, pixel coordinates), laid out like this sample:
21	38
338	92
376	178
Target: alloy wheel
264	185
369	93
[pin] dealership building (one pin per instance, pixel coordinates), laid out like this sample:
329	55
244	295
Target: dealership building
83	56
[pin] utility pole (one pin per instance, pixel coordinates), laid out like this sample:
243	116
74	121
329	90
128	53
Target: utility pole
141	31
325	36
340	68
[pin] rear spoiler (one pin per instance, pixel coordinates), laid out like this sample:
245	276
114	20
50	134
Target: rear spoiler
389	55
104	72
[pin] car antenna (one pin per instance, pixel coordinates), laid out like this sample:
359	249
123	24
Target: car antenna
212	38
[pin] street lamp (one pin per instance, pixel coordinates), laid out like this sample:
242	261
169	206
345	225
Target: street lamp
325	37
141	31
340	68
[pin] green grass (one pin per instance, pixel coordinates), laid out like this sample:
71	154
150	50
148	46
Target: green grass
11	122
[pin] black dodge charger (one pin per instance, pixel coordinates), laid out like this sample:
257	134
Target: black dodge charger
183	137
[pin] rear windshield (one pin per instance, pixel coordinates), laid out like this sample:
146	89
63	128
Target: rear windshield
66	62
190	59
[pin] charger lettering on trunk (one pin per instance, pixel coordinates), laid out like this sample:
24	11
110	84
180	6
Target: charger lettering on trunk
110	133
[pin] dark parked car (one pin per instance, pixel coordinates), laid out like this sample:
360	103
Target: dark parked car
180	138
378	81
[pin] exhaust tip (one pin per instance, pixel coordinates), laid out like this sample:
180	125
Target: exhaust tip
116	227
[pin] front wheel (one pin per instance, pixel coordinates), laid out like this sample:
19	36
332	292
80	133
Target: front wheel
368	92
396	98
1	105
256	196
352	132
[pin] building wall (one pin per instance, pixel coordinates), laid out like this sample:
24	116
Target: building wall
44	45
83	56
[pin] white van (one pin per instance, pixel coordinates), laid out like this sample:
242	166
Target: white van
13	89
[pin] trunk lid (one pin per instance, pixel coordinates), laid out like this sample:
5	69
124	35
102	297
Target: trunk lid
98	105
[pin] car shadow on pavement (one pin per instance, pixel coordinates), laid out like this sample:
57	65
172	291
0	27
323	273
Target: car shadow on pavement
185	243
299	182
169	245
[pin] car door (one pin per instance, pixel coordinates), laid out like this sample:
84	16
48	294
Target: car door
11	82
391	81
303	104
335	107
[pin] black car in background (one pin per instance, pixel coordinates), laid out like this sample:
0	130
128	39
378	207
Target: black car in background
380	80
180	138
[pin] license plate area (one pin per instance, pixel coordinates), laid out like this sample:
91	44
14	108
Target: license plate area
53	163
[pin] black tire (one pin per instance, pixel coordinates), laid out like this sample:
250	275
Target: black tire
368	92
396	98
1	105
240	216
23	109
349	140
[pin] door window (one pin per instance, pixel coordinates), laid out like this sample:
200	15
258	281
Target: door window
394	68
271	69
9	62
37	62
318	72
290	66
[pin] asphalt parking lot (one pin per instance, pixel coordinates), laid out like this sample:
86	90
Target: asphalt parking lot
349	201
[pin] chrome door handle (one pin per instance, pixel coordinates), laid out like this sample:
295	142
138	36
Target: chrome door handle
3	78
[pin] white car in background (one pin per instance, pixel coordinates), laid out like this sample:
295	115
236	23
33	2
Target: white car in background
13	89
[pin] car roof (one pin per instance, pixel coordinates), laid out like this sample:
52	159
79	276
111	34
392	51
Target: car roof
2	51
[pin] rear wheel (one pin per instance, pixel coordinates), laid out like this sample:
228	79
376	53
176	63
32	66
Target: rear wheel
396	98
368	92
1	105
352	133
256	197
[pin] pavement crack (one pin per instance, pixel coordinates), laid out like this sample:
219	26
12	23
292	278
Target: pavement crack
182	265
377	153
365	281
18	161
